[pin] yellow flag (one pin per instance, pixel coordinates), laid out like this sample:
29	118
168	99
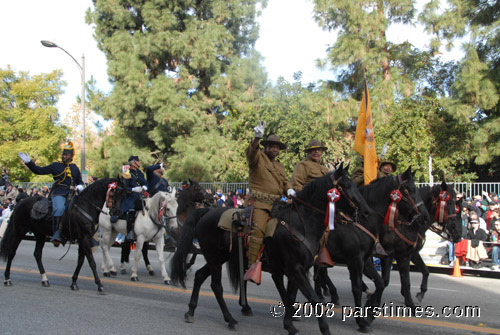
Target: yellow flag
364	142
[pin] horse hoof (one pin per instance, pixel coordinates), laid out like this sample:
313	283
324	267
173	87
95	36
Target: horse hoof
113	273
106	274
74	287
167	282
151	273
45	283
188	318
247	312
134	278
123	271
7	283
419	296
336	302
364	329
101	291
233	326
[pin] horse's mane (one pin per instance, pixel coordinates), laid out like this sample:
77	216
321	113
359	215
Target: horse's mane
98	185
372	191
310	191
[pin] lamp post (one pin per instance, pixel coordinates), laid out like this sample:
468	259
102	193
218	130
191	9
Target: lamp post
49	44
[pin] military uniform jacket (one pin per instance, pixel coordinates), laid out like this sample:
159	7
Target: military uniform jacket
136	179
266	179
155	183
305	172
65	175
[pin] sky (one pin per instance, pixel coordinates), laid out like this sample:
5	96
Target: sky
290	41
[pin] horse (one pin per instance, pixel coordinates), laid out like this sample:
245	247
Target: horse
348	241
148	226
289	252
192	196
78	223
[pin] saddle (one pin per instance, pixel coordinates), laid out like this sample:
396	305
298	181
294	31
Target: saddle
231	219
41	209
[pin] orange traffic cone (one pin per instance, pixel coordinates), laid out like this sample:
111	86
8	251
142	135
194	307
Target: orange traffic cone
456	269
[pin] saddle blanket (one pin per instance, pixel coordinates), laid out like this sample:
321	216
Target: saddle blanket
226	222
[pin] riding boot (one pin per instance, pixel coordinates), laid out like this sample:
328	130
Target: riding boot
56	236
130	225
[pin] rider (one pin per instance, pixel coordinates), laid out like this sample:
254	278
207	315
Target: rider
135	183
385	168
156	182
310	168
267	182
66	176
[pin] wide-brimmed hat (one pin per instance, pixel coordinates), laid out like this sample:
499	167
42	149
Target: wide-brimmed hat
382	163
273	139
315	144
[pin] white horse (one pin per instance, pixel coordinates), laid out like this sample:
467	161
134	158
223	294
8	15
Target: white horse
148	226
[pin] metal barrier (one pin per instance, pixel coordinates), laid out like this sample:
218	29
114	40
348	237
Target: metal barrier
468	189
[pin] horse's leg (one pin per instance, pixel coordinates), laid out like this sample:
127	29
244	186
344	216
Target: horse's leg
106	243
245	309
419	263
192	260
319	282
87	250
137	257
297	275
125	254
12	254
334	296
216	285
145	248
355	266
200	276
81	258
40	242
404	275
159	244
287	304
386	265
374	299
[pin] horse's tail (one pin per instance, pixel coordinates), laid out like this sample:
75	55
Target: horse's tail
233	271
8	238
184	244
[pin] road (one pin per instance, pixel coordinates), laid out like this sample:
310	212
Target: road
149	306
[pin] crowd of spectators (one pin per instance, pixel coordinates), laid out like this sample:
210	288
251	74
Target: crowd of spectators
480	219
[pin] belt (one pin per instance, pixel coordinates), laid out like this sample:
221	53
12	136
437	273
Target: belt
264	197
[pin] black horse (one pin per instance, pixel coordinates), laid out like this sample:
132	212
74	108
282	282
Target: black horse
78	223
190	198
348	235
289	252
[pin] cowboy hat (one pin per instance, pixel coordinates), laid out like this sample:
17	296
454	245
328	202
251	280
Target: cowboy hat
315	144
382	163
273	139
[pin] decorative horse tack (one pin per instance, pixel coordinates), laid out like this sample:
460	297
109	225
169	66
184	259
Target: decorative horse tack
333	196
391	217
442	207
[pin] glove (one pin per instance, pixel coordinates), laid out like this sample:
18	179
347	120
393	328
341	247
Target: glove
161	165
79	188
259	129
137	189
291	192
24	157
145	188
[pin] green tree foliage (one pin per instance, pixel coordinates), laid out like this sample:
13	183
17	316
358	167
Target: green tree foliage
477	87
29	121
179	68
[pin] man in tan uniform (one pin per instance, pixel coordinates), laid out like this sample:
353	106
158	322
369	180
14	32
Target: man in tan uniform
267	183
310	168
385	168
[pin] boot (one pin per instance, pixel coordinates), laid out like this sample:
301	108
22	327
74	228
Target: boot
130	225
56	236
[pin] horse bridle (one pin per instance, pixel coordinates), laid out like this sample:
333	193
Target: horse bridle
406	197
441	230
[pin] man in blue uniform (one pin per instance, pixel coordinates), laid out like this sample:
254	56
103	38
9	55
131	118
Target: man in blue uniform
156	182
135	183
66	177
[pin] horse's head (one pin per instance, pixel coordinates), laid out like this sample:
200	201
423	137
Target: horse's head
166	203
446	212
115	194
411	201
351	199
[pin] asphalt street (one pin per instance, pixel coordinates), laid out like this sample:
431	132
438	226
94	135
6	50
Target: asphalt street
466	305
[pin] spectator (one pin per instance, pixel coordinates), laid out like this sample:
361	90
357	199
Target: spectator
4	181
239	200
45	191
482	223
476	251
21	195
218	200
11	192
495	250
3	196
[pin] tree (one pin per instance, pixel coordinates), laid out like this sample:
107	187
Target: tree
29	121
179	68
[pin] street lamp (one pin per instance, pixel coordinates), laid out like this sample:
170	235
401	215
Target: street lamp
49	44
